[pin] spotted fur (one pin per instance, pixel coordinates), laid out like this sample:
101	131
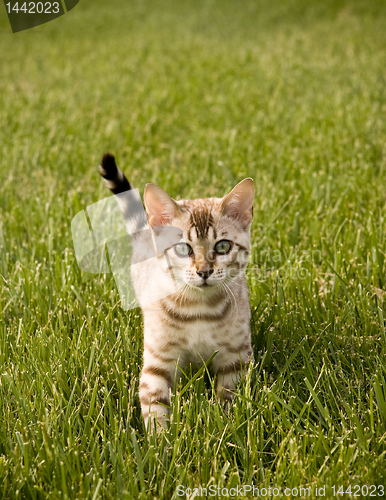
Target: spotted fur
196	305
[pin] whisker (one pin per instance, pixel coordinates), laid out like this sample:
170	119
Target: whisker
231	295
182	291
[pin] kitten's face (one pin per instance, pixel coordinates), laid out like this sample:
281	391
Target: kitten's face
215	241
214	249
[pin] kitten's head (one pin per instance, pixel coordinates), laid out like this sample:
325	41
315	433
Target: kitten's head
215	242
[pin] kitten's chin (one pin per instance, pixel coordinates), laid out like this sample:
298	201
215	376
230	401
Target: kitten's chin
205	287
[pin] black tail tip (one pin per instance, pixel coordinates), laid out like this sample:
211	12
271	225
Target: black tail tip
108	168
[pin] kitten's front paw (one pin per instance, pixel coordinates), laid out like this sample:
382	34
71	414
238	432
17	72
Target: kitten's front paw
225	397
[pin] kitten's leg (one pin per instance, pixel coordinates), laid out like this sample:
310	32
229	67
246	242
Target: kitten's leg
156	380
229	365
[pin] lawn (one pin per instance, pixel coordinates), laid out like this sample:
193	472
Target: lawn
195	96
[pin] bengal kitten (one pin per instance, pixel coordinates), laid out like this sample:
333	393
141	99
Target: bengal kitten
194	295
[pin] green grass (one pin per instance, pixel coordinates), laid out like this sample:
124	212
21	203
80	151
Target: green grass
195	96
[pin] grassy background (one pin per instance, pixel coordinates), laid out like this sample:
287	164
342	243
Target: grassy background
195	96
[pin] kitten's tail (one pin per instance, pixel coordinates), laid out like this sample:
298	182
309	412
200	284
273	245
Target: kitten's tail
129	204
114	178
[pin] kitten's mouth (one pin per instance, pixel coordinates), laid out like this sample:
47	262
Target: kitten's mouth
205	285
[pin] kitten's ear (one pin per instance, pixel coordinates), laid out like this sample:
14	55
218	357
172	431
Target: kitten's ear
238	204
160	208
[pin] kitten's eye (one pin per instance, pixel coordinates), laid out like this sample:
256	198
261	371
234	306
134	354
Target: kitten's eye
222	247
183	249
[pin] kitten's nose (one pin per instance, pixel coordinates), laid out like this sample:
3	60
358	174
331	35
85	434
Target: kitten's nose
205	273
